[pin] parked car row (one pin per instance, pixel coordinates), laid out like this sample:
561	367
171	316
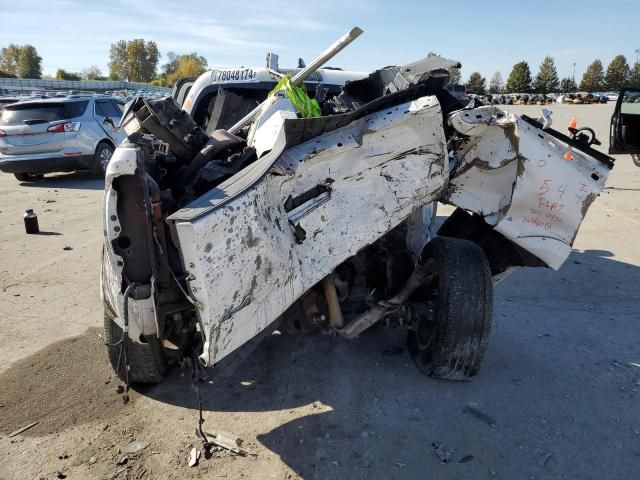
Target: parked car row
59	134
460	93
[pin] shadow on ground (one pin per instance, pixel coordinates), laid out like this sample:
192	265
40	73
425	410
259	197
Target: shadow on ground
552	374
560	364
68	383
74	180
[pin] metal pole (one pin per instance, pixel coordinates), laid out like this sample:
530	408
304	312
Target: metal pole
299	77
574	72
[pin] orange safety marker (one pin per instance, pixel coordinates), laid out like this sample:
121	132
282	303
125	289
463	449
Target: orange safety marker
568	156
573	123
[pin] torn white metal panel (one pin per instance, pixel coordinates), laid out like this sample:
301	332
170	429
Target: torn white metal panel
122	162
376	171
516	176
483	190
551	195
264	131
419	230
142	313
474	122
485	167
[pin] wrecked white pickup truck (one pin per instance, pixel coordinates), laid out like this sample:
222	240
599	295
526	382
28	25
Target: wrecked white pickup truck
215	239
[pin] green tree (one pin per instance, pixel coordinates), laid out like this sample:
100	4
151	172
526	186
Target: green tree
593	78
118	60
21	61
496	85
29	62
476	84
9	57
634	77
455	76
519	80
546	80
617	73
568	85
134	60
190	66
180	66
64	75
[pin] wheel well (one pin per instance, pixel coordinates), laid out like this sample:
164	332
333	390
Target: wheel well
500	252
108	142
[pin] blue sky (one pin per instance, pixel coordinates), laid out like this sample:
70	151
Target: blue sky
484	36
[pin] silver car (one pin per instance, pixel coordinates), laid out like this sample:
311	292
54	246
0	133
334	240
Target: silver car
59	135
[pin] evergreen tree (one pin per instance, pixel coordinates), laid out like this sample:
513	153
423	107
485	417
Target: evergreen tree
634	77
593	78
455	77
617	73
476	84
519	80
496	84
547	79
568	85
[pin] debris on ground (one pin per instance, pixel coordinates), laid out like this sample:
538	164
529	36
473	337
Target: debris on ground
92	460
471	409
67	247
466	458
224	440
22	429
117	473
544	459
401	465
442	452
194	457
134	447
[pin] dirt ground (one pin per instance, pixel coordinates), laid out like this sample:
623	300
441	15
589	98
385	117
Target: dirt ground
557	397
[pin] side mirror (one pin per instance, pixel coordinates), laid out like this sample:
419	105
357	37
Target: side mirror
107	120
625	123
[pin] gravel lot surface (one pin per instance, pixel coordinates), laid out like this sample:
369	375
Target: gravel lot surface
557	397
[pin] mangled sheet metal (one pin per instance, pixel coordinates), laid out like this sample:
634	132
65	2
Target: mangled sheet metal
531	186
320	202
229	230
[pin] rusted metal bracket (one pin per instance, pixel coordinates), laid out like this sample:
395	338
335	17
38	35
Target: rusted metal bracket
422	274
335	313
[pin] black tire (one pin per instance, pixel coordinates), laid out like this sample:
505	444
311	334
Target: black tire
452	315
101	158
147	362
28	177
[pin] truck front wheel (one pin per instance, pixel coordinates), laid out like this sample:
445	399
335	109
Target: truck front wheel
451	315
147	363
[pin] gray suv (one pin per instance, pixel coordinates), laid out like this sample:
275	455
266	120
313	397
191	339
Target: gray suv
59	135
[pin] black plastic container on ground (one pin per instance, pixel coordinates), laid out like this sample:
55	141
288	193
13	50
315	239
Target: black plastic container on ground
31	222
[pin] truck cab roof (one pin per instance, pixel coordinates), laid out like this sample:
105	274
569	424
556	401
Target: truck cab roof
197	96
